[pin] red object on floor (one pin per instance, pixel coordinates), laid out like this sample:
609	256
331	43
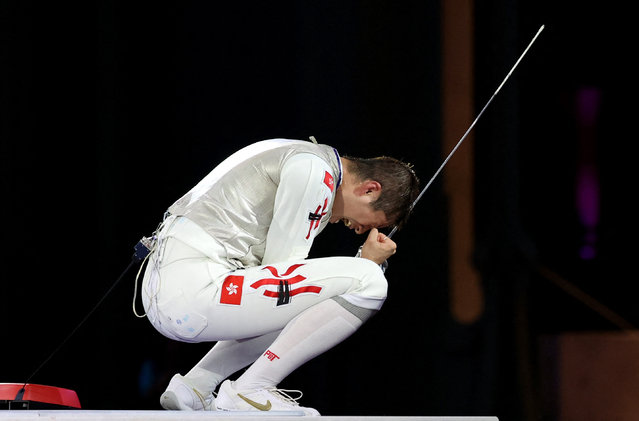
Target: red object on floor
39	393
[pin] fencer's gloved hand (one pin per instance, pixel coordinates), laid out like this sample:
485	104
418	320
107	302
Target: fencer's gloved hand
378	247
383	266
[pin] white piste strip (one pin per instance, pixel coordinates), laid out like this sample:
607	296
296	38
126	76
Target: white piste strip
104	415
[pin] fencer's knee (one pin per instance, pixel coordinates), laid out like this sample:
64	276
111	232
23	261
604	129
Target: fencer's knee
371	286
360	312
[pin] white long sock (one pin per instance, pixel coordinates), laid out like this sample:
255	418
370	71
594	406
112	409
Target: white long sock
225	358
310	334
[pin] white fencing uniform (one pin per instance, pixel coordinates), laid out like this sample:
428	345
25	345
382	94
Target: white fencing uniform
230	261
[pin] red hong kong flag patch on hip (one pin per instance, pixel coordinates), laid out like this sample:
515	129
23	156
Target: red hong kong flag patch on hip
232	290
328	180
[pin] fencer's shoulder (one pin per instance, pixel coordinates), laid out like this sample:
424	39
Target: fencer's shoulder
306	163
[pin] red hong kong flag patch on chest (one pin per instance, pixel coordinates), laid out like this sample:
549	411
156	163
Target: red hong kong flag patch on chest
328	180
232	290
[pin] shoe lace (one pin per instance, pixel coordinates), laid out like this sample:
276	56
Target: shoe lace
283	394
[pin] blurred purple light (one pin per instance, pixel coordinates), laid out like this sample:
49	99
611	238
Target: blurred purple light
587	183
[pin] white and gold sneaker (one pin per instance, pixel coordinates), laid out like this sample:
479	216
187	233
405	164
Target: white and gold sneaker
182	395
231	399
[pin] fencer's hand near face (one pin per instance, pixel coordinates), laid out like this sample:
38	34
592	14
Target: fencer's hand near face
378	247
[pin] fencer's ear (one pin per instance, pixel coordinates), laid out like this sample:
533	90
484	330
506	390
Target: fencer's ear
368	187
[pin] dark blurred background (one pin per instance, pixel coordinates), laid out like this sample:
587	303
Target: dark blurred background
112	110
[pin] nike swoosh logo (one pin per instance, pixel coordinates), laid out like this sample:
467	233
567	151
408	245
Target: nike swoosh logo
261	407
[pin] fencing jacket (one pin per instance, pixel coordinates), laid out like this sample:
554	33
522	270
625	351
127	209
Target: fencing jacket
266	202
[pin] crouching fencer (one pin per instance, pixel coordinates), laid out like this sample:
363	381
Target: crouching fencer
230	266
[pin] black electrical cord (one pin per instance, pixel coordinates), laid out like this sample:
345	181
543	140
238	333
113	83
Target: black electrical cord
142	249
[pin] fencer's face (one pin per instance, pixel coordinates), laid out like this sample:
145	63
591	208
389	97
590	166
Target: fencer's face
354	210
363	218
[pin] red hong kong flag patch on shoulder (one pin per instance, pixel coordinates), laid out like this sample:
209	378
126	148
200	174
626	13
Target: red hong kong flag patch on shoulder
232	290
328	180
